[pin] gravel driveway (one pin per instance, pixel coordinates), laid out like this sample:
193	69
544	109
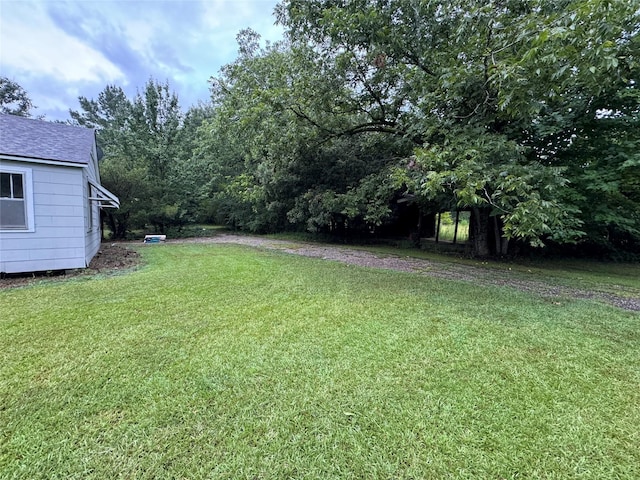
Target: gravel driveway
629	300
116	256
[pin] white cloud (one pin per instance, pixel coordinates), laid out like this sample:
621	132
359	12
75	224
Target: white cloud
140	35
33	46
58	50
50	103
228	17
222	13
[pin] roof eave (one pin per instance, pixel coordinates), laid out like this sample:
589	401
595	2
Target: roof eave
46	161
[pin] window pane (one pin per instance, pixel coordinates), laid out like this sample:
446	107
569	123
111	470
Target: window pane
12	214
5	185
18	191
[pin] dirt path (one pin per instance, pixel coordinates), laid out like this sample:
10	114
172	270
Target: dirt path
116	256
450	271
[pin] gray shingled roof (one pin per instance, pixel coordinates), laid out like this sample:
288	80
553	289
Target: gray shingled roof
25	137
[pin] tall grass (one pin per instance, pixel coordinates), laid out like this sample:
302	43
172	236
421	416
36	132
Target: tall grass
226	362
447	231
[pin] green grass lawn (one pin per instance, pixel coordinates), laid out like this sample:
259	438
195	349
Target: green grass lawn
217	361
620	278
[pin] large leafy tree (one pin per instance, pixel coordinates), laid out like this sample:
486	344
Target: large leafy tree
156	123
143	144
252	137
110	115
606	180
122	171
288	152
490	93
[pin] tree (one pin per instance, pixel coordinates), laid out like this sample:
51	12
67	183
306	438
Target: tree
141	140
133	189
156	122
192	170
488	93
606	182
110	115
283	158
14	100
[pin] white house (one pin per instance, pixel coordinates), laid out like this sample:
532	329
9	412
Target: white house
50	196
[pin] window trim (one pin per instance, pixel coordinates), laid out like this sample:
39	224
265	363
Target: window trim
89	216
28	198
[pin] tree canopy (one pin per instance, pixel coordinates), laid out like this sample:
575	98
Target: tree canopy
372	115
146	142
493	96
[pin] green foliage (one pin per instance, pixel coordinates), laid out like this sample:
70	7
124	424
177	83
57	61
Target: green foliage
446	218
132	187
491	172
497	96
147	145
606	184
240	204
524	113
14	100
278	153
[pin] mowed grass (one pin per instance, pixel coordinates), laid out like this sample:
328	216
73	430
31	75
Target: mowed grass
218	361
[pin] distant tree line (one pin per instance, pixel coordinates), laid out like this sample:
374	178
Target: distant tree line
147	143
371	116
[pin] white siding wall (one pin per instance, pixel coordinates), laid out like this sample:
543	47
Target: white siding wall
93	235
59	241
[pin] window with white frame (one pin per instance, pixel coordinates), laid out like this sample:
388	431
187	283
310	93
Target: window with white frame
88	212
15	192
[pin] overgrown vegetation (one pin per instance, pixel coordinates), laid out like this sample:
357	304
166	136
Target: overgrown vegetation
452	227
201	365
370	118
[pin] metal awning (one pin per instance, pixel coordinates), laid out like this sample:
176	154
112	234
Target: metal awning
104	197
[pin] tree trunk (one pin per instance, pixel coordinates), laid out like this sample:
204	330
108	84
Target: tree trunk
111	222
479	232
416	235
496	235
502	243
505	245
118	225
455	230
102	215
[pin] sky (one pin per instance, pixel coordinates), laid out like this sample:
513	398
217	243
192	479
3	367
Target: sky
59	50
